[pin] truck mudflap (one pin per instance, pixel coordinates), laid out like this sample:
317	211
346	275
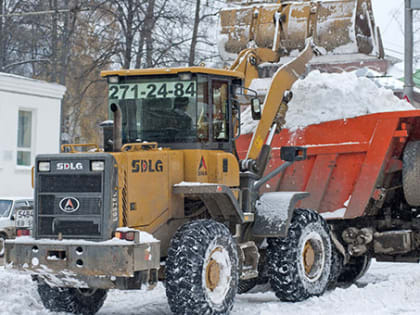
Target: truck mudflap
274	213
79	263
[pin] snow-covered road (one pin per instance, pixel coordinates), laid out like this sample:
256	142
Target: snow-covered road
385	289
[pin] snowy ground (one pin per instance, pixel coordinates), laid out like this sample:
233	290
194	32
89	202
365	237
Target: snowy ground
385	289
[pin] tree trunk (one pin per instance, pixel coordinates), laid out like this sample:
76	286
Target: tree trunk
139	56
66	39
195	33
129	37
54	41
149	26
2	38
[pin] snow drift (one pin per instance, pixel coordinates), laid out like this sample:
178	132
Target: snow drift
387	288
323	97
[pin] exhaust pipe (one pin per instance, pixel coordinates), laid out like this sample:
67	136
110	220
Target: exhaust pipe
117	129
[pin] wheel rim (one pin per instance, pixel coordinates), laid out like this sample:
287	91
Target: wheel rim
217	273
313	256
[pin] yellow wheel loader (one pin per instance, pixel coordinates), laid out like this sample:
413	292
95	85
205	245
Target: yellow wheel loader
167	197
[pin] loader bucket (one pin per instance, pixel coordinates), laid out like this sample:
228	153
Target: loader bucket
339	26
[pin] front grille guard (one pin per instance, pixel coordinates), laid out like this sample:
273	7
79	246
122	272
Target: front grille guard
93	220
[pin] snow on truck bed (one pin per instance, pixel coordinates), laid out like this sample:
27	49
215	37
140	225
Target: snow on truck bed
386	289
323	97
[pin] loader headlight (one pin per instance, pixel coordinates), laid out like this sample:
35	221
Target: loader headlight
97	166
44	166
114	79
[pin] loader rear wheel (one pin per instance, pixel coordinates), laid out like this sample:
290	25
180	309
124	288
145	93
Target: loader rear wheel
299	265
411	173
71	300
354	270
202	269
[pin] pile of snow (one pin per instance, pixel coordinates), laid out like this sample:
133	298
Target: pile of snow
323	97
18	294
387	288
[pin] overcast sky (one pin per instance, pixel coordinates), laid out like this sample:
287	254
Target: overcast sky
392	35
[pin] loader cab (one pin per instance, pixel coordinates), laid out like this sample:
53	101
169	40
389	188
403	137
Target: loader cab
190	108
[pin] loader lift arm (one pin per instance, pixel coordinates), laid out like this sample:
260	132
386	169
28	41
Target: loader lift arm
275	104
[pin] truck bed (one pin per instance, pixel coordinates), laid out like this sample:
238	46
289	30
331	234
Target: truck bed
348	160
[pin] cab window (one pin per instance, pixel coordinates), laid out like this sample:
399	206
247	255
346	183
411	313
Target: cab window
203	109
220	102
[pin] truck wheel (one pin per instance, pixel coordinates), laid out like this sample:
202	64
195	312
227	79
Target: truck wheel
336	267
354	270
2	240
245	286
299	265
71	300
202	269
411	173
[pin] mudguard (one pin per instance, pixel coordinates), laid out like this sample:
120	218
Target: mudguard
274	211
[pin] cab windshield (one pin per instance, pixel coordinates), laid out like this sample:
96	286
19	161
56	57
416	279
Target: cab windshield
162	109
5	206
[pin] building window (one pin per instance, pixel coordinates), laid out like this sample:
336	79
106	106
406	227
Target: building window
24	138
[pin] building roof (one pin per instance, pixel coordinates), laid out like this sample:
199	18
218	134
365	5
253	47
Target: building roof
23	85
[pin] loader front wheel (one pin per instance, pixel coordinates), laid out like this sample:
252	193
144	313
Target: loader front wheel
71	300
299	265
202	269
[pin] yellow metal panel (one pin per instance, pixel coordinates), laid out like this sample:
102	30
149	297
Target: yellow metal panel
148	193
146	178
159	71
176	175
207	167
196	166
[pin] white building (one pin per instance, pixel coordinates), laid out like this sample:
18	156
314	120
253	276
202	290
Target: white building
30	113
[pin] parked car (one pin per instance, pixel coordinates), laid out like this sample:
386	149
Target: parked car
16	215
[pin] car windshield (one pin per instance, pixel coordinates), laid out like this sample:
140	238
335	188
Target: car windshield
5	206
162	109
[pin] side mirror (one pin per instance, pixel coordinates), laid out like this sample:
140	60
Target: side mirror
293	154
12	218
256	109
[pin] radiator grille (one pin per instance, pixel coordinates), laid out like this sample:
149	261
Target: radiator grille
85	191
68	227
49	204
70	183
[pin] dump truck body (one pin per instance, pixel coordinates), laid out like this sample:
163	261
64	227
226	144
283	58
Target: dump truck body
361	175
347	159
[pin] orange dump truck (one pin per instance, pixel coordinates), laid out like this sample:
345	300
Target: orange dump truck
363	176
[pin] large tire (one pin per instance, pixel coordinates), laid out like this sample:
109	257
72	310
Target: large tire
245	286
202	269
354	270
71	300
299	265
336	267
411	173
